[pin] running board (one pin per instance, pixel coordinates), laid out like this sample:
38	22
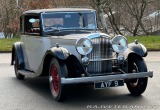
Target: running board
26	73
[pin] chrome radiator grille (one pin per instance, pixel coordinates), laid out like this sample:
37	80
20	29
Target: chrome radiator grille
100	55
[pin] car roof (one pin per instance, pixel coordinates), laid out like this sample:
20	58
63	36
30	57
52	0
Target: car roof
37	11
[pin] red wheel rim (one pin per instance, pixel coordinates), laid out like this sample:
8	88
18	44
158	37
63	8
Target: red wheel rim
134	84
55	77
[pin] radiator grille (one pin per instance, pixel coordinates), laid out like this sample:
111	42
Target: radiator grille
102	51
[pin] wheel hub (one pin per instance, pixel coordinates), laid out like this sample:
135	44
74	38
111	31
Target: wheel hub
134	83
54	79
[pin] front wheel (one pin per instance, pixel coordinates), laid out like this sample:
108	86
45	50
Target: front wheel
137	86
56	72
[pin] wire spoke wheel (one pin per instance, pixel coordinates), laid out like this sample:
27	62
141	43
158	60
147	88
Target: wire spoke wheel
134	68
56	71
137	86
55	77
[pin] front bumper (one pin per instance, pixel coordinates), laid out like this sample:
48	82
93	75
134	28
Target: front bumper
106	78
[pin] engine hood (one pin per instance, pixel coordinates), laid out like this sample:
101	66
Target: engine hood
68	41
75	36
72	36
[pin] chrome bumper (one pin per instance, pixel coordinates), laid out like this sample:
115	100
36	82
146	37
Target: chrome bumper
106	78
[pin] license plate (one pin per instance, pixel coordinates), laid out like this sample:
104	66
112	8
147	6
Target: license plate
106	84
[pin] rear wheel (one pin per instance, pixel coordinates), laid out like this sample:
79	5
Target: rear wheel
137	86
17	67
56	71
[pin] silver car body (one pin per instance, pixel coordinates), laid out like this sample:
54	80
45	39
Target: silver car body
34	48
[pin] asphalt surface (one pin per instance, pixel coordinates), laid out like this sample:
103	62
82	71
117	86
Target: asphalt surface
34	94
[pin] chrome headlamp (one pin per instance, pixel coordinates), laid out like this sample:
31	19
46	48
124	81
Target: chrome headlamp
119	44
83	46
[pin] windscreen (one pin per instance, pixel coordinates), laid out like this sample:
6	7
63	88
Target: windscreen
69	20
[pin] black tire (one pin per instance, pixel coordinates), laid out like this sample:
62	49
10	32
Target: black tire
16	68
57	70
137	86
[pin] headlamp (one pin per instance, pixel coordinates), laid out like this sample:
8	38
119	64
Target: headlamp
119	44
84	46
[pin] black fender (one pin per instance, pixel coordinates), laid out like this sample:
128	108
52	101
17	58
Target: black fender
74	67
17	49
58	52
134	50
138	48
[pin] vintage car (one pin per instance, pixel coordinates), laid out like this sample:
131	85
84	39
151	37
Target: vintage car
65	45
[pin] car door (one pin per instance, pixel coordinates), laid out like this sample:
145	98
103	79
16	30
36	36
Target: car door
33	44
34	51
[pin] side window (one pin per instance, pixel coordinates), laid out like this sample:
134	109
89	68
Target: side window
32	25
91	21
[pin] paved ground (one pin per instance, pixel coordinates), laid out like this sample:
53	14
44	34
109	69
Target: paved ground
34	94
153	56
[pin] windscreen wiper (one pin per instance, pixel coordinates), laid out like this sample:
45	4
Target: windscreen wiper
52	30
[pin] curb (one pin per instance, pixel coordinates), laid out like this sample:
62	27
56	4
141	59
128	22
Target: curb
5	51
11	51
